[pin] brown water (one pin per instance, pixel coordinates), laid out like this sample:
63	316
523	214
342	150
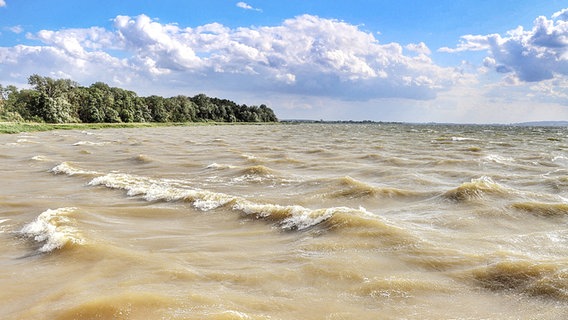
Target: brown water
285	222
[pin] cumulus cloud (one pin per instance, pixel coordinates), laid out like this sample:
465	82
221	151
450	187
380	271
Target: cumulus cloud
2	3
305	55
245	6
538	54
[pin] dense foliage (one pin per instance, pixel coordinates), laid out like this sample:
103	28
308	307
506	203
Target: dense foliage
65	101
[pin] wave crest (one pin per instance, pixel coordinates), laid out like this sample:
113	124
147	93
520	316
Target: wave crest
69	169
53	230
287	217
542	209
476	189
351	188
258	170
536	279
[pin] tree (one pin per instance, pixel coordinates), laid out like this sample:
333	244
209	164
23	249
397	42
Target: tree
50	87
157	109
63	100
182	109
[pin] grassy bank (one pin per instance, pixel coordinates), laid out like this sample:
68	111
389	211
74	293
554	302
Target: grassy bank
17	127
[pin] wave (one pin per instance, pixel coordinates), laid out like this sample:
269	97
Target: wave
162	190
69	169
357	221
123	305
476	189
40	158
542	279
542	209
352	188
215	165
251	158
53	229
464	139
499	159
89	143
141	158
260	174
398	287
288	217
258	170
3	228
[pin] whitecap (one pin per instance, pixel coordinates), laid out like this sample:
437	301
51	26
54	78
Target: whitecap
463	139
68	169
289	217
40	158
220	166
3	228
499	159
89	143
53	230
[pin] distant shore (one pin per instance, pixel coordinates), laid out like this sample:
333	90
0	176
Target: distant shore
18	127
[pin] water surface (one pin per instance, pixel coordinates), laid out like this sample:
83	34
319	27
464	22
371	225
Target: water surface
285	222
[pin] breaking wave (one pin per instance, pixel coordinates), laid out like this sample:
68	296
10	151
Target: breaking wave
219	166
70	170
476	189
291	217
53	229
288	217
89	143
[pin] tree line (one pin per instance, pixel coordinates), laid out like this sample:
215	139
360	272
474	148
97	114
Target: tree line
65	101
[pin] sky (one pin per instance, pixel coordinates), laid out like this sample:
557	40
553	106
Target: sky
484	61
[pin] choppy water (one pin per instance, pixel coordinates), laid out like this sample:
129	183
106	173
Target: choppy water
285	222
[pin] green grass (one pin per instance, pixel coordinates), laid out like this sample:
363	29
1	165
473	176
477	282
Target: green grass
17	127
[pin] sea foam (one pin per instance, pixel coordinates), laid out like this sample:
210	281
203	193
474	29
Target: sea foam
68	169
53	230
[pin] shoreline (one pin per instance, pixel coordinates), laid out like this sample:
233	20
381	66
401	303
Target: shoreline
20	127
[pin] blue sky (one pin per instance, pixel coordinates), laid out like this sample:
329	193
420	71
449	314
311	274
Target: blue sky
407	60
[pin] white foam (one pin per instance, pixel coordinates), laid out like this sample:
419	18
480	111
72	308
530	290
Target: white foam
68	169
463	139
52	229
89	143
290	217
3	228
220	166
499	159
287	217
155	190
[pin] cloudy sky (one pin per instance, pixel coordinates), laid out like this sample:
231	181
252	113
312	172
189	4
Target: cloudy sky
484	61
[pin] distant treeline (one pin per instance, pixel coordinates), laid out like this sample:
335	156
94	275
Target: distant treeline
65	101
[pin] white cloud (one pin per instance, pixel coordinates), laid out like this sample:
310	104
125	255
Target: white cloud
305	55
420	48
244	5
562	15
2	3
16	29
538	54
